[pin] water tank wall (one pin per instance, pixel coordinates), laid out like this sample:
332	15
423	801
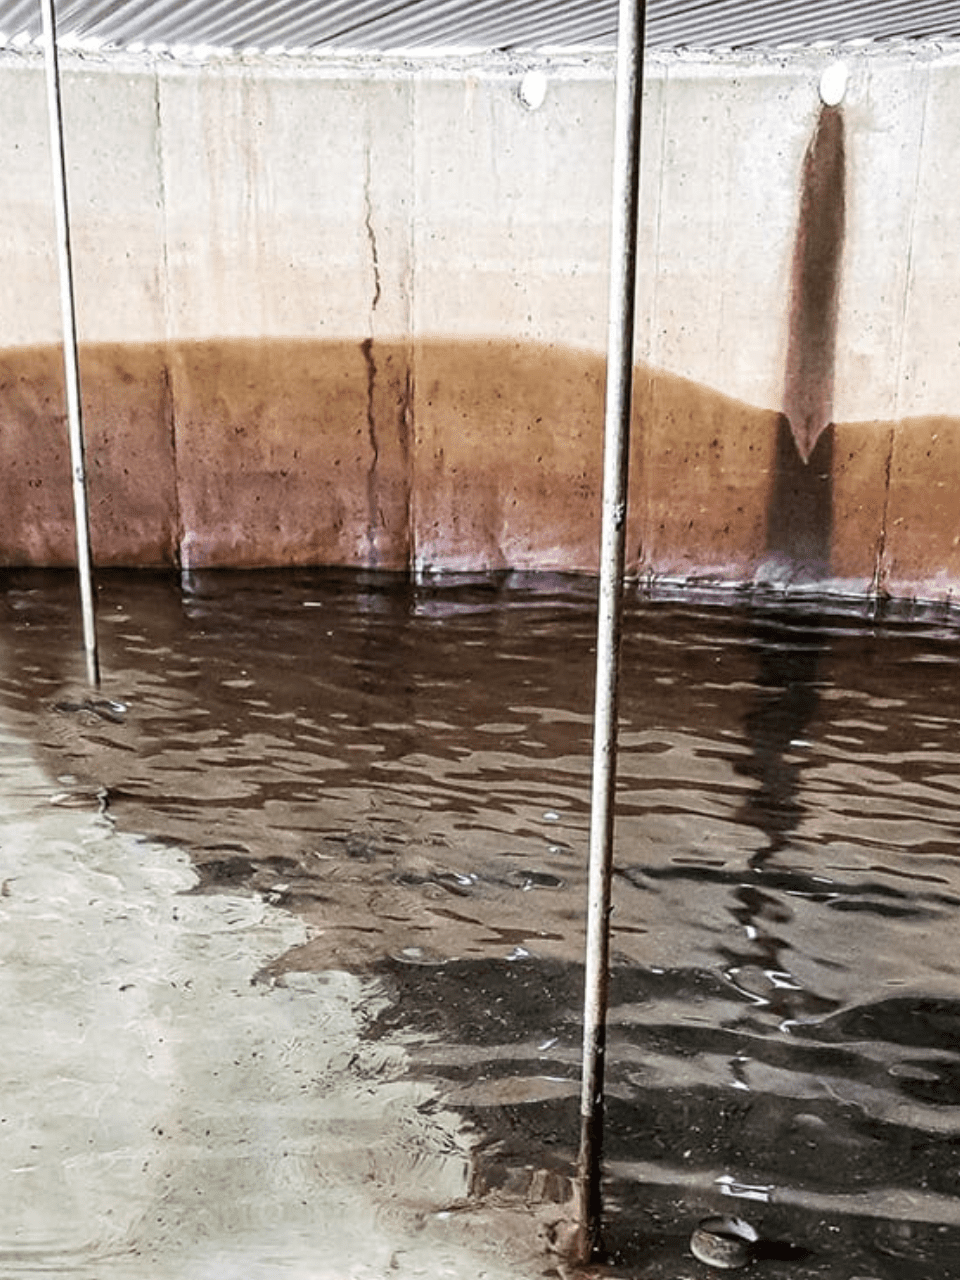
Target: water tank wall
354	312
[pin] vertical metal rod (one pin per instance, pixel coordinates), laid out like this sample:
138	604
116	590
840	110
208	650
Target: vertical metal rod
70	359
616	452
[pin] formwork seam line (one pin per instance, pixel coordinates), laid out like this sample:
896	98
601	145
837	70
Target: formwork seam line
876	585
170	401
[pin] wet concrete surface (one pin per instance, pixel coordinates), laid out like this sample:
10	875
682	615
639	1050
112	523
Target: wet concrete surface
293	919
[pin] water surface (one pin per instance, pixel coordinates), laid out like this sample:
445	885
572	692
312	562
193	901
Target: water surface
349	800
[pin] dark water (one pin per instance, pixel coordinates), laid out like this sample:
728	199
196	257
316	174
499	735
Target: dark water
406	769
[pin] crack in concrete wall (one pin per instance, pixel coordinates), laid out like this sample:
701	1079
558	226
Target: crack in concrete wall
169	411
877	587
375	515
371	232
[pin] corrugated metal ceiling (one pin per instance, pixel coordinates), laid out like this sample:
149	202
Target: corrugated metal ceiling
490	24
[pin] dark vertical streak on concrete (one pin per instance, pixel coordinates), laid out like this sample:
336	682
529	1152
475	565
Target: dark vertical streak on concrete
800	513
407	454
169	411
808	393
877	588
373	512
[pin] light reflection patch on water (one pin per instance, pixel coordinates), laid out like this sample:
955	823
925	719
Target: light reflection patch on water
165	1114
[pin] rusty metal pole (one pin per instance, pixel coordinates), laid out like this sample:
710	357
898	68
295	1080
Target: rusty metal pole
70	359
616	452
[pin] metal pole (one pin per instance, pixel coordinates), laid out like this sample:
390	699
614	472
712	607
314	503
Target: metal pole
70	360
616	450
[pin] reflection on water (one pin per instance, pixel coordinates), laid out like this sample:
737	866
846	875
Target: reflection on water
781	708
391	781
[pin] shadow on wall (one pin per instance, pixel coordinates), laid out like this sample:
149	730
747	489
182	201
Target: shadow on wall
800	516
461	455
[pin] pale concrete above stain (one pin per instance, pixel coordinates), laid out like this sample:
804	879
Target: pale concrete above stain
354	312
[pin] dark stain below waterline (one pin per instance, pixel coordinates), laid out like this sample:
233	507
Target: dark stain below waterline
800	510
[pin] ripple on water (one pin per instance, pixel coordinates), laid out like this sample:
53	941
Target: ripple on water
406	786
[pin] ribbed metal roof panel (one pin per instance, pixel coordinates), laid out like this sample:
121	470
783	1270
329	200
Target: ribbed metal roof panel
490	24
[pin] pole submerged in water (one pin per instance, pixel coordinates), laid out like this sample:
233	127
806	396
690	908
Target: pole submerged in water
71	365
616	453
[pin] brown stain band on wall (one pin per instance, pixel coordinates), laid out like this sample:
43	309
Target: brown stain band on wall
488	456
703	466
131	481
922	535
506	455
275	458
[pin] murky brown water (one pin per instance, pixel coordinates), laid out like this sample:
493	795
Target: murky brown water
392	781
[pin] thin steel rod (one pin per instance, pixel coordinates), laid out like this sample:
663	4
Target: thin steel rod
70	359
616	452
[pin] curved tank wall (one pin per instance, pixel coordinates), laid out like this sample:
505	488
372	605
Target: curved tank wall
353	311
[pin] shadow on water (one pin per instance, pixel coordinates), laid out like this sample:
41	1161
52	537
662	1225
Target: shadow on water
800	515
785	702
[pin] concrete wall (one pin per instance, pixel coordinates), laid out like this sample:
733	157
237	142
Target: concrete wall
354	313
